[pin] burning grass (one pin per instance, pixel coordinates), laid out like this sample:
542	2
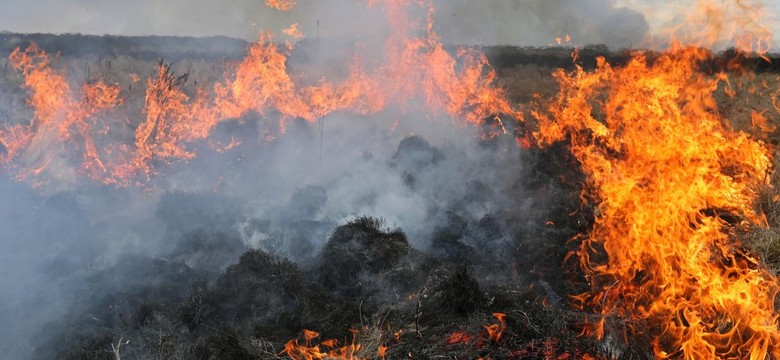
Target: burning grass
408	303
656	166
399	300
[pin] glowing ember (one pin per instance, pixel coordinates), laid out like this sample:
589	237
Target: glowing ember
458	337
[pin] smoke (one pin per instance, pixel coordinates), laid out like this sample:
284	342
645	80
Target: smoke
51	243
525	23
285	197
414	170
538	23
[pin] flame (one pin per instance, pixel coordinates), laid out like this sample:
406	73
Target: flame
671	182
414	67
307	351
293	31
495	330
761	123
281	5
741	24
416	74
61	120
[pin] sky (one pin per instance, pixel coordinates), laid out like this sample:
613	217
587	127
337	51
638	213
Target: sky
619	23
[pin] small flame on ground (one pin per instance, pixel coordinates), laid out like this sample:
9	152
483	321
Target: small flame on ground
496	330
308	351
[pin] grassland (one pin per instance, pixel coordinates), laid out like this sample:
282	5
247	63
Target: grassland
526	74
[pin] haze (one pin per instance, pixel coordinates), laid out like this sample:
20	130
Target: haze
617	23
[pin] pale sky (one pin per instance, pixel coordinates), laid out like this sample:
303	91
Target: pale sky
518	22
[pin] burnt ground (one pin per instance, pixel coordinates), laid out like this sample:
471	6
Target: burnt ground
209	296
421	304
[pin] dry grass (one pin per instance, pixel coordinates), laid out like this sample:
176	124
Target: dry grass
745	94
764	241
523	82
737	100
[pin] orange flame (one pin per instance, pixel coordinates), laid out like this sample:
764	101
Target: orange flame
671	182
60	119
496	330
293	31
307	351
741	24
414	67
281	5
761	123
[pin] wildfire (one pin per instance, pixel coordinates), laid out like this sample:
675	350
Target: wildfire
307	351
415	67
495	330
671	183
293	31
669	180
281	5
59	118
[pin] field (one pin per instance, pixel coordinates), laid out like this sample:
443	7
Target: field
239	280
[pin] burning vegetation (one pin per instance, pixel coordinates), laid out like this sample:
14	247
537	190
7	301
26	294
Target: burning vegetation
631	211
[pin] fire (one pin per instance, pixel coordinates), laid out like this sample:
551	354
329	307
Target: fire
61	120
671	183
738	23
171	120
761	123
415	66
308	351
281	5
293	31
496	330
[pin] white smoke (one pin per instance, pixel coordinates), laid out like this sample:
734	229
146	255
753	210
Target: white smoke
489	22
